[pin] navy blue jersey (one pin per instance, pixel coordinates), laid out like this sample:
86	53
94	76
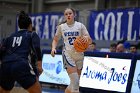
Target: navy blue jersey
15	64
20	44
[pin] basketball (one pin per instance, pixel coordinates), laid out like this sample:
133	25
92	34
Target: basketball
81	44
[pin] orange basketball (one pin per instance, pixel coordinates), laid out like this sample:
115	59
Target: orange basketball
81	44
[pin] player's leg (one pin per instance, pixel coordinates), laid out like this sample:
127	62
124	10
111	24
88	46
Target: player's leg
0	89
27	78
71	66
4	91
35	88
6	81
6	87
67	90
31	84
74	80
79	65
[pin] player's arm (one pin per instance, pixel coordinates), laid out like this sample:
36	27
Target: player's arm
55	41
54	44
86	34
37	50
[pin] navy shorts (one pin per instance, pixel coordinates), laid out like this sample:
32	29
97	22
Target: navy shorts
35	70
19	71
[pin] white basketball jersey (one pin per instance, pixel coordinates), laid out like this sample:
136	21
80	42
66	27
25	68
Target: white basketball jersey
70	32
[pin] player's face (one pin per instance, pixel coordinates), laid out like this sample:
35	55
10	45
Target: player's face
69	15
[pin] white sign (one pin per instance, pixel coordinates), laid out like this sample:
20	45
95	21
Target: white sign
136	80
53	71
105	73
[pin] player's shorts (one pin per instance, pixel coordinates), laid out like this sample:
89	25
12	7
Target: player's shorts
19	71
35	70
72	59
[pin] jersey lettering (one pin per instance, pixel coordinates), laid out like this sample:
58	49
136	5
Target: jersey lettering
17	41
71	40
71	33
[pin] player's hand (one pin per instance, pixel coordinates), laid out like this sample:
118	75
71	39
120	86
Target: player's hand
88	39
39	67
53	52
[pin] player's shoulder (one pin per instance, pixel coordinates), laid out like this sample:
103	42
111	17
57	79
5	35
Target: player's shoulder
78	23
19	33
62	24
32	33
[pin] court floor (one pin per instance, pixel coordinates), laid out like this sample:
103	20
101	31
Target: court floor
45	89
52	90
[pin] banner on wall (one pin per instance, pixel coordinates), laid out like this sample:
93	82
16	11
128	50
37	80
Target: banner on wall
115	24
45	24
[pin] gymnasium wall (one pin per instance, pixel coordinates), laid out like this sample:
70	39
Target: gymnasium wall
9	8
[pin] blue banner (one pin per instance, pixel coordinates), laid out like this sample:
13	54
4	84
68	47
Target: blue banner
115	24
46	23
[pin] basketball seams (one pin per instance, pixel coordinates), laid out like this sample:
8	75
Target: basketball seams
81	44
84	41
78	44
79	49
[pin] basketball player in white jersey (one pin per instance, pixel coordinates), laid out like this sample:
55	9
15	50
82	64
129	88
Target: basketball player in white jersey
73	60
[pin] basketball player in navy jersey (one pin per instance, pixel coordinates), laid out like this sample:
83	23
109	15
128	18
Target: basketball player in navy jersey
15	64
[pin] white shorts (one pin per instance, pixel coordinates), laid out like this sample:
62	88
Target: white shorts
72	59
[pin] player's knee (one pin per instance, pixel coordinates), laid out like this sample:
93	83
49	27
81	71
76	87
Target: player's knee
74	84
35	88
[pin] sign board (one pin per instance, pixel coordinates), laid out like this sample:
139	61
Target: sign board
109	74
53	71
